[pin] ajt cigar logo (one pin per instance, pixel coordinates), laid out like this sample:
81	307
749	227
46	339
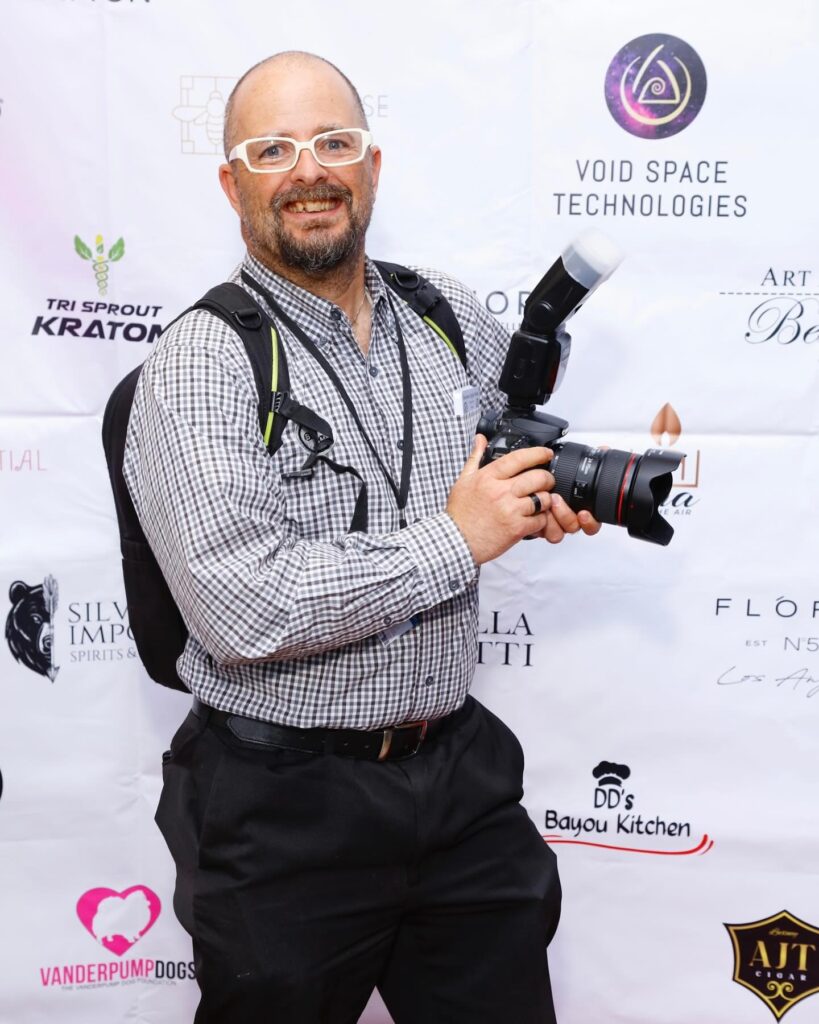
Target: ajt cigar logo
776	959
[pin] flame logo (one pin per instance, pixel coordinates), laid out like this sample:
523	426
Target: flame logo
666	423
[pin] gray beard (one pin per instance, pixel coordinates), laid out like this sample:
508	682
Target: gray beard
316	254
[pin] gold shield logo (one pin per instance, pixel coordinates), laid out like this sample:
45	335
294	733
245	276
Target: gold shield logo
777	960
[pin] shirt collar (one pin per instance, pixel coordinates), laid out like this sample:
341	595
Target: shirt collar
319	316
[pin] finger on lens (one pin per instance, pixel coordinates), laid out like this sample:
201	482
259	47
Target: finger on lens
531	481
565	515
515	463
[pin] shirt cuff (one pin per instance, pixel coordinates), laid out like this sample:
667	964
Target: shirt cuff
439	549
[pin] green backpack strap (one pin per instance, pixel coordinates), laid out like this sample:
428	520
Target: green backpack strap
428	302
260	337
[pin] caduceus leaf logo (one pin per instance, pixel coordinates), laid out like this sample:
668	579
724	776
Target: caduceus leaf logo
655	86
99	260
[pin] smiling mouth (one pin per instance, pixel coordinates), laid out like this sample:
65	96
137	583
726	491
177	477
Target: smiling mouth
312	205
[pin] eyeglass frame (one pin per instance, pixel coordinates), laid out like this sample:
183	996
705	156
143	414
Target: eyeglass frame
239	152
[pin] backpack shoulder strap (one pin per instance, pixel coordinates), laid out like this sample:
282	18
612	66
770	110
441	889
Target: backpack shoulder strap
262	342
428	302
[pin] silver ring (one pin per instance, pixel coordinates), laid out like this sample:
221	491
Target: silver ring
537	504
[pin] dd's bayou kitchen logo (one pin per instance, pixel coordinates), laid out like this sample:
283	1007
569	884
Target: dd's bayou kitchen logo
777	959
655	86
116	921
615	821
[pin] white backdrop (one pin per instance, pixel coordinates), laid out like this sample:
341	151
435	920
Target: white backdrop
666	698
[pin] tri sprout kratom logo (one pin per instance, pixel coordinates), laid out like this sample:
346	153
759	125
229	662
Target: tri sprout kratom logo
99	259
99	318
777	959
655	86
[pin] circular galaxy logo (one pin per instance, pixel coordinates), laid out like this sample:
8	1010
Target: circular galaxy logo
655	86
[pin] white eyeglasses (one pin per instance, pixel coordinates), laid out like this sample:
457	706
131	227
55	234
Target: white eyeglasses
276	154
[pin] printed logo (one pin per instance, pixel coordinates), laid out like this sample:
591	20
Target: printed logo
617	818
666	430
655	86
505	640
98	318
784	308
118	920
777	960
771	631
30	625
25	460
96	630
201	112
99	262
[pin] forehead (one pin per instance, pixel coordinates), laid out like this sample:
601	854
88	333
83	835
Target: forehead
294	98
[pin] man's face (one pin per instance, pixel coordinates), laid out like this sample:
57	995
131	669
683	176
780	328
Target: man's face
311	219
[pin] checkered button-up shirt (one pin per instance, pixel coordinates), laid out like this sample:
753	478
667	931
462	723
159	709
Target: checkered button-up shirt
290	615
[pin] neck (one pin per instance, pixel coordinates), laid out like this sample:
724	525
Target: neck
343	285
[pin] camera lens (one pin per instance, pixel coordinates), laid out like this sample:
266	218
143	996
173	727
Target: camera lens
622	488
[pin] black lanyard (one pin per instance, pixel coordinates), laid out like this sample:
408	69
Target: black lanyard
401	491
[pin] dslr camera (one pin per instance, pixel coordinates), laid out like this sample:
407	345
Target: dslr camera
622	488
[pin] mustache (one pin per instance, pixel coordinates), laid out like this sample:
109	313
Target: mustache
319	193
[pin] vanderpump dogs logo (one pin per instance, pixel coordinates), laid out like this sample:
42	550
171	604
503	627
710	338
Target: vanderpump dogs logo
655	86
666	430
201	112
780	309
30	625
619	824
98	318
117	921
777	959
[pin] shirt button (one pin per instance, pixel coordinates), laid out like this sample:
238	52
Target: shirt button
399	445
335	314
453	585
374	371
387	620
429	681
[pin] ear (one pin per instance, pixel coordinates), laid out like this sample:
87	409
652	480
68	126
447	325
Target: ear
375	165
227	180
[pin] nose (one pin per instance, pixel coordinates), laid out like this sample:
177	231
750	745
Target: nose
308	170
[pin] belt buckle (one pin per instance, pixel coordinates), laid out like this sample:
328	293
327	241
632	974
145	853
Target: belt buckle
386	743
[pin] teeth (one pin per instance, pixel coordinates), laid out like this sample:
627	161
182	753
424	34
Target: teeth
312	206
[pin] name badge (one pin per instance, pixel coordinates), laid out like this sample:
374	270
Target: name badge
466	401
389	636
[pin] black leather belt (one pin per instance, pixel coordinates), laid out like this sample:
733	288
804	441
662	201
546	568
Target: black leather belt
391	744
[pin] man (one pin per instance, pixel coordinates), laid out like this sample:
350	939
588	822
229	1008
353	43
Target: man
341	814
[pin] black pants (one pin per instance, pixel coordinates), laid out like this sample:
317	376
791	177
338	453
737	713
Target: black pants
307	880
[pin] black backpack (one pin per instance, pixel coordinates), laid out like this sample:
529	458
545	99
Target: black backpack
156	623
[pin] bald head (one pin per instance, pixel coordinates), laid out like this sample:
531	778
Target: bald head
281	74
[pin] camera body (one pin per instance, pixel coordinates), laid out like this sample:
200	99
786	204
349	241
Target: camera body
618	487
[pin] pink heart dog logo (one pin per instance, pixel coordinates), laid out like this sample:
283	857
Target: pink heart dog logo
118	919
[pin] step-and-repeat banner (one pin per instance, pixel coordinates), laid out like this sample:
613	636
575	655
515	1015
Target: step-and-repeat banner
666	698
